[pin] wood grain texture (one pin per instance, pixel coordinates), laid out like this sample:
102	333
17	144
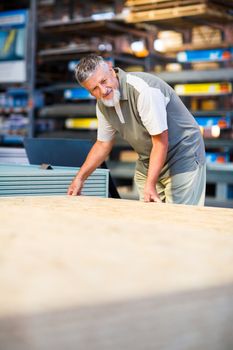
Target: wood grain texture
92	273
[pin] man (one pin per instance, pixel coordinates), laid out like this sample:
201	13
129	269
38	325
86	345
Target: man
152	118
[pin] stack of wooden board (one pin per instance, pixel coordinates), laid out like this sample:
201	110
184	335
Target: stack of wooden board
161	11
32	180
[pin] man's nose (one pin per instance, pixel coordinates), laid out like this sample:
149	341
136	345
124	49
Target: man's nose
103	89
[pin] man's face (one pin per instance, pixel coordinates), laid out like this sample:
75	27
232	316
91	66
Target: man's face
103	84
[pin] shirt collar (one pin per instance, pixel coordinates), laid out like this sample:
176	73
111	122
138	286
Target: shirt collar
121	75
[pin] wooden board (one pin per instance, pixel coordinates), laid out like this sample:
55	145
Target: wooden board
103	274
141	5
193	10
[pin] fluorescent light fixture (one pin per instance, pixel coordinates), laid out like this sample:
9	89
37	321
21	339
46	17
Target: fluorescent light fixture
102	16
215	131
105	47
138	46
182	57
159	45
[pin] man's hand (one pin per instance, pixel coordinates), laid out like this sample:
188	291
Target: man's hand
95	157
75	187
151	195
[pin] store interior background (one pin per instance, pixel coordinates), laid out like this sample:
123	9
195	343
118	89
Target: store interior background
189	44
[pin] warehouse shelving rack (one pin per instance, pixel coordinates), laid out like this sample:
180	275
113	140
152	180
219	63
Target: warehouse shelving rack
65	29
51	75
72	38
28	86
184	76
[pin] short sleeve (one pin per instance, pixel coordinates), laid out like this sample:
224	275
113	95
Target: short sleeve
105	130
152	110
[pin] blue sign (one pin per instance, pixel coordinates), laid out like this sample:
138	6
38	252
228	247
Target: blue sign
78	93
205	55
13	31
15	19
223	123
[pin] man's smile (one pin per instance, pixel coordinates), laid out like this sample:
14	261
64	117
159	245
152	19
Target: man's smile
107	93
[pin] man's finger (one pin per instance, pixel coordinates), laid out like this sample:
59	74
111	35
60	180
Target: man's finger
157	200
74	193
69	191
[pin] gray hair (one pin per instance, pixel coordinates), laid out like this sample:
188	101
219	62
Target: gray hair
87	66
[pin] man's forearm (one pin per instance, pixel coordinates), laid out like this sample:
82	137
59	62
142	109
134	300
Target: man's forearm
96	156
157	160
157	157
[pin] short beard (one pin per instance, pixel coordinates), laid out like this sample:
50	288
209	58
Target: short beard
114	101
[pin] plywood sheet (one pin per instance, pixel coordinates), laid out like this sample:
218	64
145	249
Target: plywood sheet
92	273
188	11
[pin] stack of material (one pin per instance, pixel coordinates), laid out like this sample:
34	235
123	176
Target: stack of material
161	11
31	180
9	155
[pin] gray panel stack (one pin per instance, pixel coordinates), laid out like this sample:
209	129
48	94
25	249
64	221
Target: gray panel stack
13	155
31	180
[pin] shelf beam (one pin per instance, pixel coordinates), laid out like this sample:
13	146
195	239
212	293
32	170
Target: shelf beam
31	65
222	74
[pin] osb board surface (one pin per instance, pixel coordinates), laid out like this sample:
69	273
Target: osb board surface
102	274
57	252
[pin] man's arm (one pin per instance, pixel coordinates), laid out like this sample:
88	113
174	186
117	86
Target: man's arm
157	159
96	156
